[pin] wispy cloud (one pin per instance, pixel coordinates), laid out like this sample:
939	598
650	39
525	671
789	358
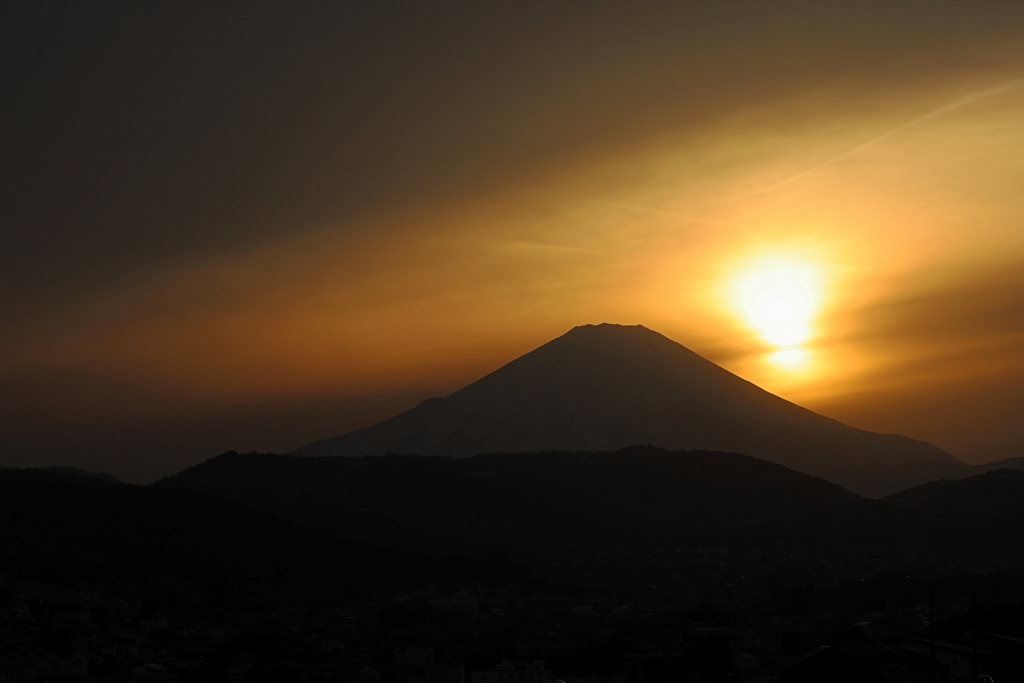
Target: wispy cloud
547	246
660	212
946	108
530	309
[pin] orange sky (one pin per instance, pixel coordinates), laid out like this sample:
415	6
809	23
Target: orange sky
638	168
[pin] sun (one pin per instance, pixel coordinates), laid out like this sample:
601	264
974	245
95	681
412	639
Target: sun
779	299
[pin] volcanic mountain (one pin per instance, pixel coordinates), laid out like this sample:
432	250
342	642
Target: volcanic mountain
605	387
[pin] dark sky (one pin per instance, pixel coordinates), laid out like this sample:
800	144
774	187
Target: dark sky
246	225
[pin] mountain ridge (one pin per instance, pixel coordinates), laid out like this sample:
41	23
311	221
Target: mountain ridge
605	387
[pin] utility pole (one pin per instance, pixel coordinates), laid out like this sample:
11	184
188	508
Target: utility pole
931	635
974	620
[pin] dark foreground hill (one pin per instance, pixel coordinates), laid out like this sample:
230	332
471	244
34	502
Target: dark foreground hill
876	480
277	524
635	499
68	529
605	387
982	515
632	500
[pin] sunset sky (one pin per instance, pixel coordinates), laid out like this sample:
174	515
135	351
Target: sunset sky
249	226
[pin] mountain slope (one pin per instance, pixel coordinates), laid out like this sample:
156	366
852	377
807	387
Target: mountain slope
606	387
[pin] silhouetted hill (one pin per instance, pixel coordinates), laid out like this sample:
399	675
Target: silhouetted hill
604	387
979	514
61	469
635	498
632	500
881	480
60	528
275	525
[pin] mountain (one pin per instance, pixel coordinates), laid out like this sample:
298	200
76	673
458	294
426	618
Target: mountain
630	500
605	387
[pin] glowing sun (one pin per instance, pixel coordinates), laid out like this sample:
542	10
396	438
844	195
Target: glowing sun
779	299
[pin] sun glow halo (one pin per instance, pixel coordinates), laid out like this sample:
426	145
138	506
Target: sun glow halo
790	359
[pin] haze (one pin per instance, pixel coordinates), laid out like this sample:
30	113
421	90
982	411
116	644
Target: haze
249	228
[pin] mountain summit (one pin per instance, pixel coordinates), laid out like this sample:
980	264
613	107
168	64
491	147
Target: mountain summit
604	387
